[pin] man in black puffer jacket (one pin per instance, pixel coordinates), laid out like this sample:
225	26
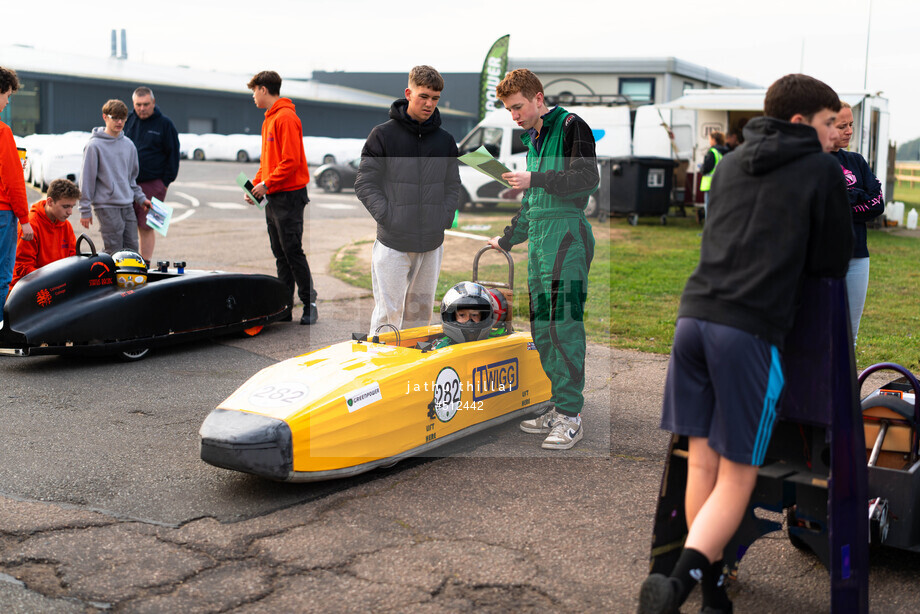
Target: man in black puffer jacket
409	182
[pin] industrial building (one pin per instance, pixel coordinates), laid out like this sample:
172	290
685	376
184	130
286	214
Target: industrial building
63	92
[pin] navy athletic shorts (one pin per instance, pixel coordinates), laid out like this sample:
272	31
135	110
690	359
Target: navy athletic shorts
723	384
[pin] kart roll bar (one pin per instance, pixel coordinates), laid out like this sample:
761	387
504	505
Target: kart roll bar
92	246
495	284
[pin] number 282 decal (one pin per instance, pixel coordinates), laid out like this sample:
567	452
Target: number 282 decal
447	394
279	395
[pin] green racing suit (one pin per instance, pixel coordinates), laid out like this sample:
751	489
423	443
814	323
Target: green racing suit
563	167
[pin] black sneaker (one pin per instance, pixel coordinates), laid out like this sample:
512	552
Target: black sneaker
310	314
659	595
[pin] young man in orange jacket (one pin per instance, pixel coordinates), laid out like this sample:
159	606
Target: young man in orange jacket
282	178
14	205
54	238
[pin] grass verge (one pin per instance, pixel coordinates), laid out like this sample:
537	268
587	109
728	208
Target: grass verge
910	196
639	272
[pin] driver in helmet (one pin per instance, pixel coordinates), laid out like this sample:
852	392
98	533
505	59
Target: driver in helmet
470	312
130	269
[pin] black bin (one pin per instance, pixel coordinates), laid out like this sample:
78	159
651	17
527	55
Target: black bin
641	187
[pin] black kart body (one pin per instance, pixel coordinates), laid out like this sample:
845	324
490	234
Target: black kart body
74	306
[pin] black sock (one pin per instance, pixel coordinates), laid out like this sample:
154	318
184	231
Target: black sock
691	567
714	594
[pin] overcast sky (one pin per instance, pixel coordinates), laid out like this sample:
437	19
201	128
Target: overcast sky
755	41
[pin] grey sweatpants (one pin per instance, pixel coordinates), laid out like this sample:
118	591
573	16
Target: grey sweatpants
404	284
118	225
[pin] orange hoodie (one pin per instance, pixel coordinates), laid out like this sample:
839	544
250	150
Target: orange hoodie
283	166
52	242
12	182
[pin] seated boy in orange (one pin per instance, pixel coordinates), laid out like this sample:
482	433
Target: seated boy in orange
54	237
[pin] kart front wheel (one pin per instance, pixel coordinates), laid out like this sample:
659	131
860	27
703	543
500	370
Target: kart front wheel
132	355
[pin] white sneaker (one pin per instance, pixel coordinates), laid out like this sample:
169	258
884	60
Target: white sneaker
541	424
565	433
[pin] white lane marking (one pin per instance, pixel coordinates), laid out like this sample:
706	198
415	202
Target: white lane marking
176	205
184	215
207	186
334	207
466	235
195	202
222	205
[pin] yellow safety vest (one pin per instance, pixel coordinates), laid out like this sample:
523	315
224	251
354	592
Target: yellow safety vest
706	181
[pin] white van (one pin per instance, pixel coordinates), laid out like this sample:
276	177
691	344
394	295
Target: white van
502	138
693	116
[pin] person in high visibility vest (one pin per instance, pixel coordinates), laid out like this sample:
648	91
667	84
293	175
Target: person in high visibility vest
717	149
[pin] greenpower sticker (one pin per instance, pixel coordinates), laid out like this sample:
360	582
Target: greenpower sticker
363	397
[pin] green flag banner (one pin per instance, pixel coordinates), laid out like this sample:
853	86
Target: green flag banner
493	69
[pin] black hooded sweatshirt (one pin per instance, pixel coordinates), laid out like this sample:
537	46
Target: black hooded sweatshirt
778	212
409	180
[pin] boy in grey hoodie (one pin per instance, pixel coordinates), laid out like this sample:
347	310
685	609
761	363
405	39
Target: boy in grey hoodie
109	181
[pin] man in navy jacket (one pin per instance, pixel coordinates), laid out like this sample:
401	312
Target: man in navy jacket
157	143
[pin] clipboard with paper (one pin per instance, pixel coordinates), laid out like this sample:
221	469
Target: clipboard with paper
159	216
486	164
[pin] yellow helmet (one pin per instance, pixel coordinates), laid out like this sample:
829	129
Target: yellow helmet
130	269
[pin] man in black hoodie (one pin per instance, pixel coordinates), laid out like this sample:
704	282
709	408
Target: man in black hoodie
778	212
410	183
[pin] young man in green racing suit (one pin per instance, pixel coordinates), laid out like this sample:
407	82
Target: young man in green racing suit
561	174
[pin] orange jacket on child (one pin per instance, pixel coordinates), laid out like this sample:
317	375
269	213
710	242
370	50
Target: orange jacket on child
283	165
52	242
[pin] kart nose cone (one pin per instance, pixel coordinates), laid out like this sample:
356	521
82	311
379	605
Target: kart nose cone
247	442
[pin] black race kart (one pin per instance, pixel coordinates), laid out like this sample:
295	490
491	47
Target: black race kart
75	306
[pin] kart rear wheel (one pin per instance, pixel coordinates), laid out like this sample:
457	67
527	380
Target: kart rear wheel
132	355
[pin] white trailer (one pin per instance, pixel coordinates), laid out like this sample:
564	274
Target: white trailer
680	129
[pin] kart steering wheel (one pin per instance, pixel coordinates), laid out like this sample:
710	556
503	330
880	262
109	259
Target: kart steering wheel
92	246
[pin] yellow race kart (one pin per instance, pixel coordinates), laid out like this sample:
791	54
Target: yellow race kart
367	403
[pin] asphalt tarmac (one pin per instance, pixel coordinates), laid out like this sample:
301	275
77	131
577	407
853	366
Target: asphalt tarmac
104	504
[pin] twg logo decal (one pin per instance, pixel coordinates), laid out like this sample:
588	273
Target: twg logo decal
495	379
